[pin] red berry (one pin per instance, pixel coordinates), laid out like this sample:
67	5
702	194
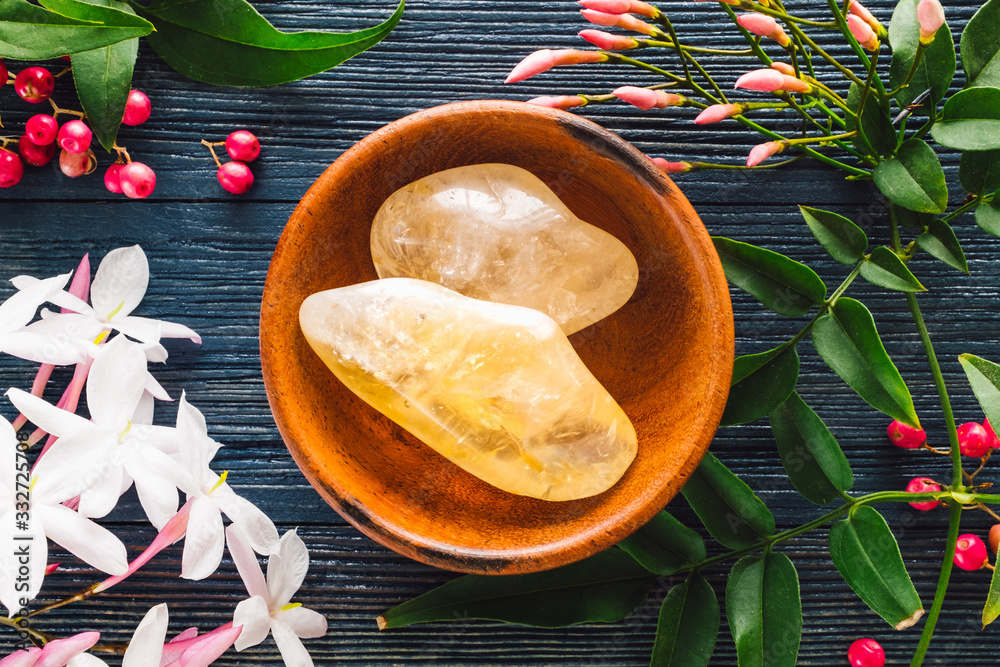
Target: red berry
75	136
137	108
994	538
991	434
923	485
905	436
34	84
75	165
973	440
137	180
33	154
866	653
41	130
113	178
243	146
11	168
3	74
235	177
970	553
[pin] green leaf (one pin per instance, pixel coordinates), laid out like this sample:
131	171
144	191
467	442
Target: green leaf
761	382
912	219
726	506
848	342
688	625
844	240
970	120
992	608
936	68
875	122
29	32
979	171
227	43
914	178
103	79
988	218
810	454
984	377
865	553
603	588
940	242
764	609
664	545
885	269
785	286
981	46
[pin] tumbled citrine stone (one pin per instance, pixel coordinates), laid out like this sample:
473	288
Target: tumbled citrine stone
496	232
496	389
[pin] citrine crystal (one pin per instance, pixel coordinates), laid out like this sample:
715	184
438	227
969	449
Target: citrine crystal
497	389
496	232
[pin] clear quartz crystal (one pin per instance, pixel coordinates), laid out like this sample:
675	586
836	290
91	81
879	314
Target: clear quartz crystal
496	232
496	389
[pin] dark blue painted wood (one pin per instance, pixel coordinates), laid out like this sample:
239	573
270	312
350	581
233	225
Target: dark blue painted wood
209	254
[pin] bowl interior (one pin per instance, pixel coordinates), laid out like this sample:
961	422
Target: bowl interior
666	356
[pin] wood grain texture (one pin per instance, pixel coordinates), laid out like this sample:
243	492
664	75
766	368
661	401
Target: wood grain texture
209	254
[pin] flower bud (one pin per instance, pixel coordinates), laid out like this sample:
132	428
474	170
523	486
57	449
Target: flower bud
772	81
930	16
717	112
862	13
621	7
970	553
623	21
923	485
761	152
672	167
765	26
559	102
646	99
784	68
607	41
862	32
546	59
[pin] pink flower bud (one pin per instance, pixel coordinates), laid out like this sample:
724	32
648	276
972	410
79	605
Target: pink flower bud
761	152
930	16
862	32
646	99
784	68
623	21
862	13
546	59
771	81
717	112
672	167
607	41
765	26
559	102
52	567
621	7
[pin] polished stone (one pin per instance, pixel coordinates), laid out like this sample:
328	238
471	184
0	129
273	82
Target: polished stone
496	232
496	389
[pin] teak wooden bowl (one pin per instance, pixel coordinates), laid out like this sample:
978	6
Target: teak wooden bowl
666	356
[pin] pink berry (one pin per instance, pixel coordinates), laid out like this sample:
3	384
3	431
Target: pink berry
137	180
973	440
11	168
235	177
75	165
34	84
970	553
3	74
991	434
137	108
41	130
243	146
866	653
994	538
905	436
113	178
75	136
33	154
923	485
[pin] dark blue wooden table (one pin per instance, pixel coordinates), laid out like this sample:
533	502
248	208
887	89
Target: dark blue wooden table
209	254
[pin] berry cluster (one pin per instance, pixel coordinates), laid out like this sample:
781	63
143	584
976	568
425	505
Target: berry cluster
242	146
43	136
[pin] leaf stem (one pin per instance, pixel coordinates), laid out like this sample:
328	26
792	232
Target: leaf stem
967	206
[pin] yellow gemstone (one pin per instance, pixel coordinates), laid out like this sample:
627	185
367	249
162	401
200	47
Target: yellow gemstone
496	389
496	232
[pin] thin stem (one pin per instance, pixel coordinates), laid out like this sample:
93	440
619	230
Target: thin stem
617	57
39	638
822	140
826	56
788	18
809	151
954	521
865	94
211	147
742	167
988	511
822	128
695	49
677	45
913	70
855	46
967	206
